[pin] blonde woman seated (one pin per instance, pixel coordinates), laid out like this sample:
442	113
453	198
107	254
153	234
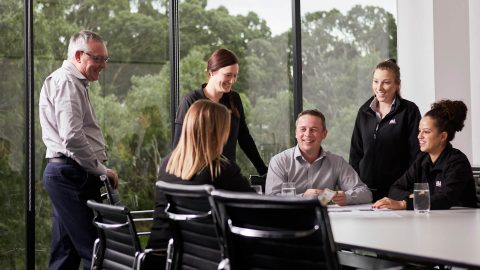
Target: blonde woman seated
196	160
446	169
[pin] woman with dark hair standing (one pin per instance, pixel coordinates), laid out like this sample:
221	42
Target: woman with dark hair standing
222	69
446	169
384	140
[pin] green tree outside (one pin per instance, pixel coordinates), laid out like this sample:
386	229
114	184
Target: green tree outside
132	98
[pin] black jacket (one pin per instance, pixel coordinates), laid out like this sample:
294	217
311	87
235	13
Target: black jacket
229	179
238	128
450	180
382	151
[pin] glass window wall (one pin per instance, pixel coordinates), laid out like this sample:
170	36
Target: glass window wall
132	98
341	44
12	136
259	33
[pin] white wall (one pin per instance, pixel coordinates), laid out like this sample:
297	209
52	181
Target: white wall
474	77
438	43
415	51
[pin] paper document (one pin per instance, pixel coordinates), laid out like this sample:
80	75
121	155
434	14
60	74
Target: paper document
360	210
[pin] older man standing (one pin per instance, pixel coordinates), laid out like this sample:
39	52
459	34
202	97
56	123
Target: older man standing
75	150
312	169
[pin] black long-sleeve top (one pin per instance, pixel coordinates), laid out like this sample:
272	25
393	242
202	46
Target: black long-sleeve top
450	180
229	179
238	129
381	151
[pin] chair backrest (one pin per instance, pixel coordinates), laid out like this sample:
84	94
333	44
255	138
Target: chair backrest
111	195
118	246
476	176
270	232
195	243
258	180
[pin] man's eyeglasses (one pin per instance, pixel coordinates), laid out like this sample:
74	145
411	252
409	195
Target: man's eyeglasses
97	59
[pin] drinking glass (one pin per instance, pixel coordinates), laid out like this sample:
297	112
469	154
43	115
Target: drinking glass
421	198
288	189
257	188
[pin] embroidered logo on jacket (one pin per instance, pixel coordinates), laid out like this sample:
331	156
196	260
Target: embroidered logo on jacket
392	122
438	183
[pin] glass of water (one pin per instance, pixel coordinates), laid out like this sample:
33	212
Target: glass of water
288	189
421	198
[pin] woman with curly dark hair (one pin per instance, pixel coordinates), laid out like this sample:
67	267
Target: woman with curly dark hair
446	169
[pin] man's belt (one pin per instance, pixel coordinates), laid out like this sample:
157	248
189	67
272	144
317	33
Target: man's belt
62	160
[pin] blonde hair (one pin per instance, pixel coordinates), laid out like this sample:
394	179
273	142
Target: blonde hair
204	133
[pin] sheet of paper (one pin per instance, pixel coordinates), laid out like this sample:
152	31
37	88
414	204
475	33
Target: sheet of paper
326	196
364	214
360	210
355	207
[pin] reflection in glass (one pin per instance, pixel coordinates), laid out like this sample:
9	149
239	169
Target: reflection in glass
131	99
340	49
12	137
264	78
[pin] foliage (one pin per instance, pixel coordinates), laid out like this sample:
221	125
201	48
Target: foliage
132	98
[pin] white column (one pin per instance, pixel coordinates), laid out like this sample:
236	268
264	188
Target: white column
452	61
415	51
434	41
474	78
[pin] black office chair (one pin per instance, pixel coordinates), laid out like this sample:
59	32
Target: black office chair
112	196
258	180
195	244
268	232
143	219
118	246
476	176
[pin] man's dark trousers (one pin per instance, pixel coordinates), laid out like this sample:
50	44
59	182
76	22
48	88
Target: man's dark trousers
73	234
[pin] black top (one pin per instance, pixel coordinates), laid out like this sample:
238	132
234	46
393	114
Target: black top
238	128
450	180
229	179
381	151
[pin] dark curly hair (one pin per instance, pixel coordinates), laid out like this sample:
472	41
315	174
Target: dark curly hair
449	116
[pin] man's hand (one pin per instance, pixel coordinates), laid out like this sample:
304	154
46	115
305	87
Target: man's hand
313	192
340	198
113	177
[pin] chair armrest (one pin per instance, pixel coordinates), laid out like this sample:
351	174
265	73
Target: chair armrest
175	216
247	232
224	264
106	226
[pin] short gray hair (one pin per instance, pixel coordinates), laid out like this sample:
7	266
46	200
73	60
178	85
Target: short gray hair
79	41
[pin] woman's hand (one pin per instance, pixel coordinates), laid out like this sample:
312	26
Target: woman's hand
390	203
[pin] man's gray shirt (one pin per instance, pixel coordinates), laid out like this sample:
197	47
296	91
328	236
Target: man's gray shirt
327	171
69	125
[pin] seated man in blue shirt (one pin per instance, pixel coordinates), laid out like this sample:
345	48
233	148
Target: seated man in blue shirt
313	169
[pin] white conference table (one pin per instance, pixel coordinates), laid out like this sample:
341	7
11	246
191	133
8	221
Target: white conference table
450	237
